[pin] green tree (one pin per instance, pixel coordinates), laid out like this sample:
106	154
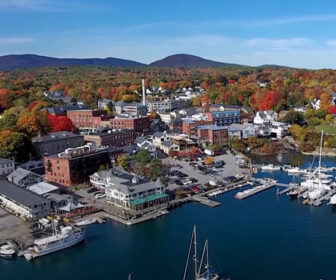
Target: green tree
10	117
14	145
156	169
293	117
143	157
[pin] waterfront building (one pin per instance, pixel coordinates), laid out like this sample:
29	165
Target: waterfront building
243	131
6	166
107	137
23	203
75	165
213	134
24	178
127	195
56	142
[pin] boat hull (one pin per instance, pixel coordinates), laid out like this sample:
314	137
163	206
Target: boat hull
76	239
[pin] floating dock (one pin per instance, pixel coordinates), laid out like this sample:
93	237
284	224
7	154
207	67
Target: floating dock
206	201
249	192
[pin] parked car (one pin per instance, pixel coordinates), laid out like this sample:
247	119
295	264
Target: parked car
178	182
193	180
219	164
91	190
100	195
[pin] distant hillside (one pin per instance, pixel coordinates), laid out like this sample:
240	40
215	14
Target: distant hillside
9	62
189	61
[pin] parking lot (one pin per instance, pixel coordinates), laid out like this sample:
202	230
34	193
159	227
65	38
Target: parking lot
11	227
230	169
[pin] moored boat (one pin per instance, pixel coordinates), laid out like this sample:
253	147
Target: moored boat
60	239
8	250
86	222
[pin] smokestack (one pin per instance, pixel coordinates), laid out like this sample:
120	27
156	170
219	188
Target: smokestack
143	92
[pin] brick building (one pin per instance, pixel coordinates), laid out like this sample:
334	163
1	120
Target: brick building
221	118
74	166
112	138
189	127
88	119
213	134
139	125
56	142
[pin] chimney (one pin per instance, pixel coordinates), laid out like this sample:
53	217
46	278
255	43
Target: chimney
143	92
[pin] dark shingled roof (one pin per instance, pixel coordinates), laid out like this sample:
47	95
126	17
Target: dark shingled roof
20	195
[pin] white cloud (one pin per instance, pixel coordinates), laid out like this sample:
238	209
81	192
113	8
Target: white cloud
15	40
331	43
282	43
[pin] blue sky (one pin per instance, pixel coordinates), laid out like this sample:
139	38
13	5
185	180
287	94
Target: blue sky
295	33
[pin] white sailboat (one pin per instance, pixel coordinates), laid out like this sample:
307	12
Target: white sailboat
316	183
202	268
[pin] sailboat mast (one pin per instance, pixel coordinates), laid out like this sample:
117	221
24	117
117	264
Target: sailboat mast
195	253
189	253
320	160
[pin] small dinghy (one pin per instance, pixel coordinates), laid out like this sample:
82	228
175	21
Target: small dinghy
86	222
7	250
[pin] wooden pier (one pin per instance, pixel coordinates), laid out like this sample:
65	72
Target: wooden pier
205	201
267	185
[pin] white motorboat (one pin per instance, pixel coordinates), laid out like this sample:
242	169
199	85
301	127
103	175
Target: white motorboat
270	167
86	222
60	239
332	200
7	250
296	170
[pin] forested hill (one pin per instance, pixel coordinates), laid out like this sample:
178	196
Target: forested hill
9	62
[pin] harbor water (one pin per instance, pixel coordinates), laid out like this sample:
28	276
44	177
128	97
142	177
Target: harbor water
260	238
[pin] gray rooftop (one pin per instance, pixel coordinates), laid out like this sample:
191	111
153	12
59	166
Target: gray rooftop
19	174
5	161
20	195
55	135
211	127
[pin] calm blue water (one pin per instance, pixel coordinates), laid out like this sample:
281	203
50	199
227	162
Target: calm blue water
262	237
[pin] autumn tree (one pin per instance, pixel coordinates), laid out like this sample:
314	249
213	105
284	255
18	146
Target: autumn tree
325	101
10	117
5	100
14	145
33	123
123	161
60	123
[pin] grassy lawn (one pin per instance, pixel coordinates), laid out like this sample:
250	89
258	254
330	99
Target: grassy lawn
327	128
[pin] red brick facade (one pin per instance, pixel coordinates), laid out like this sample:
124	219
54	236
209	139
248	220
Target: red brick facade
215	135
88	119
139	125
68	171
